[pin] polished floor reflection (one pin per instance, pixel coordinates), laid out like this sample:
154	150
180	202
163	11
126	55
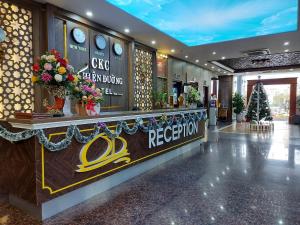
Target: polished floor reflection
233	179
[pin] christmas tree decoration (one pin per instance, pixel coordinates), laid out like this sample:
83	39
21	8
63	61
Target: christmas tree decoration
258	106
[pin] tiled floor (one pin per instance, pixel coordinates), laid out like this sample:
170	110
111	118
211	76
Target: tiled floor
233	179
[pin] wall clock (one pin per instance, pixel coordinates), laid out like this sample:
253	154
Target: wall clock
2	35
118	49
100	42
78	35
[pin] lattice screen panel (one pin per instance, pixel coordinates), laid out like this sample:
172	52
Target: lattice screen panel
16	90
143	79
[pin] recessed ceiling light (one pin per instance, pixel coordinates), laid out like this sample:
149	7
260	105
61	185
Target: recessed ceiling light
126	30
153	42
287	50
286	43
197	60
225	72
173	50
219	70
186	56
89	13
212	67
205	64
223	57
214	53
291	69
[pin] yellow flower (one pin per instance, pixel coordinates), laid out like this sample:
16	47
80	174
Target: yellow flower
62	70
34	79
75	79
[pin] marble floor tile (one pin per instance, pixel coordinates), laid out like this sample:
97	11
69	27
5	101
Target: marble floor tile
233	179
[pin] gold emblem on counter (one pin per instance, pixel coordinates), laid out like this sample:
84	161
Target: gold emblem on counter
109	156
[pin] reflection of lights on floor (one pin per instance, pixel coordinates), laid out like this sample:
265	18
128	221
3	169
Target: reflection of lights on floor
287	178
221	207
245	171
212	218
280	221
204	193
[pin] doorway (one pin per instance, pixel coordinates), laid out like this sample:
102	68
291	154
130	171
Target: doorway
292	82
279	100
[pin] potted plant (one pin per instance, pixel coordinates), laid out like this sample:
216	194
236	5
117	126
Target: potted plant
193	97
87	96
56	75
159	100
238	106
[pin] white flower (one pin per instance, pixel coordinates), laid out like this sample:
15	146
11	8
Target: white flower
43	57
58	77
50	58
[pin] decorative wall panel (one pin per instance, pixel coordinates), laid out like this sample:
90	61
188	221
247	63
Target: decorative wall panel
16	90
143	67
263	62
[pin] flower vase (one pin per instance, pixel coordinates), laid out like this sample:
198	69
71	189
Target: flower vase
81	109
98	109
90	108
59	94
192	105
67	107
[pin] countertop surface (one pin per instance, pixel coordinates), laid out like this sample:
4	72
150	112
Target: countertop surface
104	117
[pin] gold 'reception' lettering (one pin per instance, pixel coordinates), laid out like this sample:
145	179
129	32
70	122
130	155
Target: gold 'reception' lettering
109	156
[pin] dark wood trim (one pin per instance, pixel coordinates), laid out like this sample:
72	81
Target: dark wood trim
280	81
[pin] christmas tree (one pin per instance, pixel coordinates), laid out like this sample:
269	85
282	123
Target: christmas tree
258	106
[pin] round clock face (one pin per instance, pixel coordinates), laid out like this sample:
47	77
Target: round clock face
100	42
2	35
118	49
78	35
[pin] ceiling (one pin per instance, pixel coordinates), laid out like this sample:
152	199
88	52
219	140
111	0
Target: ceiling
116	19
240	19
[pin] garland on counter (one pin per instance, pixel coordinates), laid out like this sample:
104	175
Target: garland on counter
73	130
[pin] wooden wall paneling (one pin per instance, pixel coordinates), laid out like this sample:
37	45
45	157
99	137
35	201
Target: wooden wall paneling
225	94
58	35
100	54
131	75
78	54
63	14
119	68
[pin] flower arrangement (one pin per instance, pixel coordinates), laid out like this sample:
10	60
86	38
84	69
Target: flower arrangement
86	94
85	90
57	75
52	69
193	96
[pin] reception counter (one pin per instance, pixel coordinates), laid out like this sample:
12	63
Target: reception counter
60	162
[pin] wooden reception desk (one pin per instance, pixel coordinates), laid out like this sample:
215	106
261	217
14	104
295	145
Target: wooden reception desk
44	182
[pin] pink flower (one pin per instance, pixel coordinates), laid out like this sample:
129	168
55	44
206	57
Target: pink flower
48	66
87	88
46	77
